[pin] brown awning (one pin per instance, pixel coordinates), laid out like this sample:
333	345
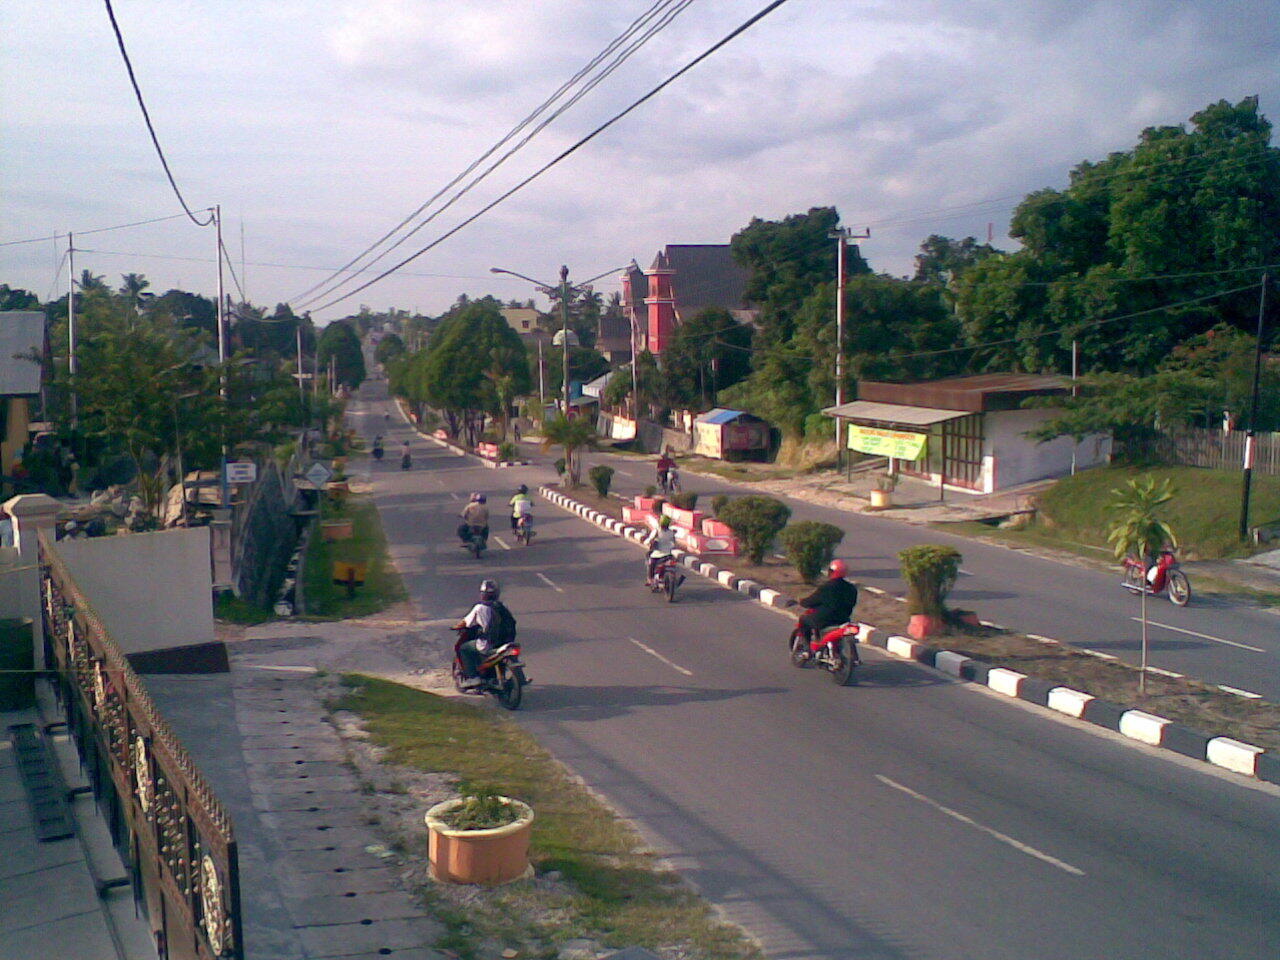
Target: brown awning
898	414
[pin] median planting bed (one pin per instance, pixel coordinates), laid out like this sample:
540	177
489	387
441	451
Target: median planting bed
1199	706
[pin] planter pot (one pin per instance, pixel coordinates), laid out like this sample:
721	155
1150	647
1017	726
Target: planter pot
490	857
968	618
923	626
881	499
332	530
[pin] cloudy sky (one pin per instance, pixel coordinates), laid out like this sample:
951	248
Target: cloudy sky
319	126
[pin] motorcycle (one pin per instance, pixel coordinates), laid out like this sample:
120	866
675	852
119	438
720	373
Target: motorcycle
473	539
524	529
666	578
1165	576
669	482
406	461
377	450
501	672
835	650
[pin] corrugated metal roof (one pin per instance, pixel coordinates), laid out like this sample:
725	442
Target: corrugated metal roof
896	413
21	331
719	415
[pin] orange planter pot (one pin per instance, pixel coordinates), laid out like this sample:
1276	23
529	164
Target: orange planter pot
488	857
923	626
337	530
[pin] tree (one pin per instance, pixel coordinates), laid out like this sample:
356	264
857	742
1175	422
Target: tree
755	521
132	288
708	352
571	435
389	348
942	259
15	298
91	282
1139	531
340	344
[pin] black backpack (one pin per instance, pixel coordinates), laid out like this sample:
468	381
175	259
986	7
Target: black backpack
503	628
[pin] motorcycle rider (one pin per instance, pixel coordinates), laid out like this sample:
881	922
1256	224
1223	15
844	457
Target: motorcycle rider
664	465
521	506
475	517
483	623
831	604
661	544
406	457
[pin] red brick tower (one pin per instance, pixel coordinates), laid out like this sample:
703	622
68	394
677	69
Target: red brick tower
661	303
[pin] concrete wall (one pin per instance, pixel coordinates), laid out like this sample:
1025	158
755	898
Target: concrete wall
615	427
153	590
1017	459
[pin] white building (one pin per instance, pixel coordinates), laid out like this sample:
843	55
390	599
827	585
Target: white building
966	433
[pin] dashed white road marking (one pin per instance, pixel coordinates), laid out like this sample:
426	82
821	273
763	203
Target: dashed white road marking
1002	837
654	653
454	496
547	580
1202	636
502	543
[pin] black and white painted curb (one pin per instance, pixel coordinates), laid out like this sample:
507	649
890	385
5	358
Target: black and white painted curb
1143	727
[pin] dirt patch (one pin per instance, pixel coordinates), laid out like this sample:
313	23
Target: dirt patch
1198	705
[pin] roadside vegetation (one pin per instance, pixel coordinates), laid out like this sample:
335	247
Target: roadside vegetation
367	546
594	878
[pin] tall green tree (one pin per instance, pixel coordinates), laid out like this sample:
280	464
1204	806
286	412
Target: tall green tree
341	345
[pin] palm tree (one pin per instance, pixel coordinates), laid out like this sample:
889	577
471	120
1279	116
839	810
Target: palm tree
90	281
571	434
132	288
1138	530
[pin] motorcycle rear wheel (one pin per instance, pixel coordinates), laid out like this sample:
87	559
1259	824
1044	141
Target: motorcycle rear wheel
510	689
846	666
1133	578
456	672
669	585
1179	588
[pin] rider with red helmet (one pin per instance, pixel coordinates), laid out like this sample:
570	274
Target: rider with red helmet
831	604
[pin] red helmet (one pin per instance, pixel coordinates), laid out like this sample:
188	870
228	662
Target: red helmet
837	569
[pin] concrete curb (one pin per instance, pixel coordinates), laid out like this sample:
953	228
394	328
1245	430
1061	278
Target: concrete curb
1136	725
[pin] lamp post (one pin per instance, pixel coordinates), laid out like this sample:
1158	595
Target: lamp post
564	288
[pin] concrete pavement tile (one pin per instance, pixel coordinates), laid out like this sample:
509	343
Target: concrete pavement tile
21	854
291	767
352	939
325	836
84	937
268	783
301	822
312	751
303	802
299	885
330	861
353	906
46	895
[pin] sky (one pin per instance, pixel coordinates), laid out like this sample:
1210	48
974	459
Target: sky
319	126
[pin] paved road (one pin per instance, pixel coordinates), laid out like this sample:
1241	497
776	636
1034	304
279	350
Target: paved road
1210	639
909	817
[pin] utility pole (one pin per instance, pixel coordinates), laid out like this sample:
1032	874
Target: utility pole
842	236
1253	414
542	375
1075	373
71	323
564	309
222	351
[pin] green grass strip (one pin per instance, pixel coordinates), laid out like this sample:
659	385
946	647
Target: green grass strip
368	545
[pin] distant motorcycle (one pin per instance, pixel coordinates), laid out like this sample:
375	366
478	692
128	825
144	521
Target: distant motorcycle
1164	576
473	539
836	651
377	450
666	578
501	672
406	461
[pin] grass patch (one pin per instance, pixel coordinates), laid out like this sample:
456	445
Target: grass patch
1204	513
616	893
232	609
382	586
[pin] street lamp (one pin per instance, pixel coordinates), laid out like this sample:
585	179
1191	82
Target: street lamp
565	289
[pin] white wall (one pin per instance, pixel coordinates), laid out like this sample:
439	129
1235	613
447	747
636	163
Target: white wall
153	591
1018	459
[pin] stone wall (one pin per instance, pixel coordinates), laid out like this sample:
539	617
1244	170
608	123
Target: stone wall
263	535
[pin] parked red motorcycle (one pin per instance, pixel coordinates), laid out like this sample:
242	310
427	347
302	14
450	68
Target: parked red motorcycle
836	650
1165	576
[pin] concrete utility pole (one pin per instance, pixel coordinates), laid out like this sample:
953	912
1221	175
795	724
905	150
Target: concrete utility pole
842	236
71	321
1253	413
564	333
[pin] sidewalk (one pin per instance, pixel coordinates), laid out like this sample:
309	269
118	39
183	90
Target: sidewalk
316	880
49	901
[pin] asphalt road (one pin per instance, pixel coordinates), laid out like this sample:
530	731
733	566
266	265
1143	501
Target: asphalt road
1210	639
909	816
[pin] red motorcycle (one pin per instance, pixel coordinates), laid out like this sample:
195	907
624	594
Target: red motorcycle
666	578
836	650
501	671
1165	576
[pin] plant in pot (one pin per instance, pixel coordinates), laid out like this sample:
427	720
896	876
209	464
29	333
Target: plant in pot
483	838
930	570
882	491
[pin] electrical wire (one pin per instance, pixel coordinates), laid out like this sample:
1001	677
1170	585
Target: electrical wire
661	21
85	233
737	31
133	80
236	280
657	5
56	274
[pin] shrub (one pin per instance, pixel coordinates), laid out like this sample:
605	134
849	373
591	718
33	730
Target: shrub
481	812
600	477
718	502
930	570
650	490
560	465
756	520
507	450
685	501
810	546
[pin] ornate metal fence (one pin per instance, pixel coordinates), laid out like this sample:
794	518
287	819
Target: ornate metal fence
165	820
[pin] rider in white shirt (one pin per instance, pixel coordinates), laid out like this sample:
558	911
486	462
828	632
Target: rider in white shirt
661	543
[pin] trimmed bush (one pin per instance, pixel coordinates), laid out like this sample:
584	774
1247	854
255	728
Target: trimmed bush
930	571
685	501
601	477
755	520
718	502
650	490
810	546
506	450
560	465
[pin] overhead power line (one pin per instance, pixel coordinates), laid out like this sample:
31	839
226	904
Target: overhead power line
133	80
82	233
653	21
737	31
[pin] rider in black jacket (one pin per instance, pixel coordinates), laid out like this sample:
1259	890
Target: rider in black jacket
831	604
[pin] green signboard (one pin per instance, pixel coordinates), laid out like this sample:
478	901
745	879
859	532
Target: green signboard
899	444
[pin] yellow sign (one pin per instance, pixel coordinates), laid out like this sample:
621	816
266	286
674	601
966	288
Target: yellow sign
900	444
